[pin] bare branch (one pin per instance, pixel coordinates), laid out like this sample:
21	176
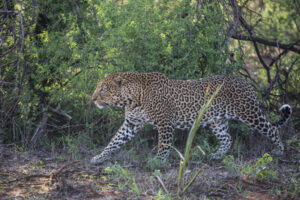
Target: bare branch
41	127
21	51
236	15
69	118
162	184
267	68
6	83
252	34
290	47
281	54
9	63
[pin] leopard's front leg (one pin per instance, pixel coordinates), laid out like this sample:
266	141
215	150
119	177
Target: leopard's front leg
165	138
125	133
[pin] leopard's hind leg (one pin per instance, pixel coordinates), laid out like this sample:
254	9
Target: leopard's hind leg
258	121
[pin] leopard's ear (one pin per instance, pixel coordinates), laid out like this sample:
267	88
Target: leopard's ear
118	81
106	75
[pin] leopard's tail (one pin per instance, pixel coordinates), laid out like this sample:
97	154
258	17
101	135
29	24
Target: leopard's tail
285	115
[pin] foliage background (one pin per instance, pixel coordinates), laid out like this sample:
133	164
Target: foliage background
54	52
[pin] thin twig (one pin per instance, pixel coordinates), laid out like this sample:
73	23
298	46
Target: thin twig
28	177
236	15
252	34
193	180
268	42
50	176
41	127
56	172
162	184
9	63
290	161
69	118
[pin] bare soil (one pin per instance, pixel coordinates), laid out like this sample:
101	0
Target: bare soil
42	175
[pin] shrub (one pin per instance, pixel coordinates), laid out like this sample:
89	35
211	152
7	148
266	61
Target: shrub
261	169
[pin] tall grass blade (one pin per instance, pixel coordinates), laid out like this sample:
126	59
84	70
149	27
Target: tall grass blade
191	136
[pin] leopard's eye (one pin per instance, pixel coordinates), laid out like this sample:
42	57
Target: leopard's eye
102	89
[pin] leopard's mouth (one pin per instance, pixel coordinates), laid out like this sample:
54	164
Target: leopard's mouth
101	105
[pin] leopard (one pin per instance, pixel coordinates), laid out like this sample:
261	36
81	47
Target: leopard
169	104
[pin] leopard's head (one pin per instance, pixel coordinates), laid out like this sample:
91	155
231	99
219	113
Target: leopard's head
109	92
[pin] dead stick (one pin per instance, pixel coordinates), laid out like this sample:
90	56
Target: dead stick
162	184
56	172
29	176
51	175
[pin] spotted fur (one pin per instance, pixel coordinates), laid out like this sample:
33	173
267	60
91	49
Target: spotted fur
168	104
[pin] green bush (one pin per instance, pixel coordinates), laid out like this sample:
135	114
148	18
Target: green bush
231	165
147	36
72	50
261	169
124	178
72	44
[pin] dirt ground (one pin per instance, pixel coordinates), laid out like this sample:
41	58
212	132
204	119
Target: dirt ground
42	175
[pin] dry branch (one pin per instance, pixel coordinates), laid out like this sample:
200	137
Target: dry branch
41	127
50	176
58	171
162	184
252	34
28	177
290	46
273	80
235	23
14	27
67	116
